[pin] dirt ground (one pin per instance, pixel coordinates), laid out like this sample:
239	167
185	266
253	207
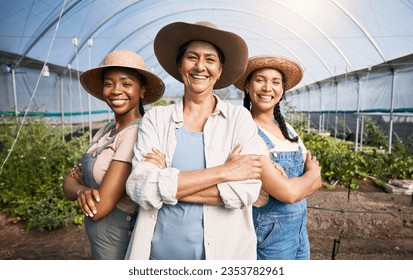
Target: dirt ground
367	225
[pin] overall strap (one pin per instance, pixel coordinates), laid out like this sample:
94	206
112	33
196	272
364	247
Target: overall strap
268	142
112	139
109	126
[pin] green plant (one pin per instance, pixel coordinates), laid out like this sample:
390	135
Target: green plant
31	179
373	134
340	163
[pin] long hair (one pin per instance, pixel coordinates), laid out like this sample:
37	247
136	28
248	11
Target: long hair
278	117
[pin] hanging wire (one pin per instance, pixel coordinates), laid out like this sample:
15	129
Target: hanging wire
34	91
75	43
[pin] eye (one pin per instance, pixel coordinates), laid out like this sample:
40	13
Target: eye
191	57
107	83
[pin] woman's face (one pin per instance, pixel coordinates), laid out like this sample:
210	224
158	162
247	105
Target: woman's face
265	89
200	67
122	90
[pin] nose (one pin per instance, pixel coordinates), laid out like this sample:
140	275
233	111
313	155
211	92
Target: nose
267	86
200	65
117	88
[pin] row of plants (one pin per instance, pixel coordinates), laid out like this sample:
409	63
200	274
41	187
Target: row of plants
31	179
341	164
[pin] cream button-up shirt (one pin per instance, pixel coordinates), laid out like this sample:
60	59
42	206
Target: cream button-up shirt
228	230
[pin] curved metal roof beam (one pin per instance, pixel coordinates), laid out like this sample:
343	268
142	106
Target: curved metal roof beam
45	30
263	34
361	27
102	22
243	12
319	30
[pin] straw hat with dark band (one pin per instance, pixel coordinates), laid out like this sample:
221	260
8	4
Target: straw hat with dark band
92	79
292	71
171	37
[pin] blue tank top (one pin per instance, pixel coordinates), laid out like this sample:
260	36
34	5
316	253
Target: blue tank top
179	231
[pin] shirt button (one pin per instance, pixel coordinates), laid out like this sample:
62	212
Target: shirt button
128	218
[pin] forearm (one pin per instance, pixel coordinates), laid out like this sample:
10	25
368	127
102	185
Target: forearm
208	196
288	190
193	182
72	187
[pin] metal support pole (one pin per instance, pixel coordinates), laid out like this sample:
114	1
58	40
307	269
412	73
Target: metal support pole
358	118
336	118
362	133
62	104
89	101
16	112
391	111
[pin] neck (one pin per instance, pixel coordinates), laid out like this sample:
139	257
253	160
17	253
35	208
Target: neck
263	118
123	121
197	111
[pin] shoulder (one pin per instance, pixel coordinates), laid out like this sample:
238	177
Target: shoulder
157	111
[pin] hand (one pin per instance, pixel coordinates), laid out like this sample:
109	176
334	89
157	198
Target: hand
156	158
77	173
242	167
311	163
86	199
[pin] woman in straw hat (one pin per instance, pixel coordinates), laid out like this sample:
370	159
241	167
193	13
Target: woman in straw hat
280	222
198	203
98	181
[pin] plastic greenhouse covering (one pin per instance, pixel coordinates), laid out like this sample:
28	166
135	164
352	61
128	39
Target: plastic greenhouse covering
357	54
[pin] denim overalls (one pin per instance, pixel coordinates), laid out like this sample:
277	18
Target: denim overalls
109	237
281	227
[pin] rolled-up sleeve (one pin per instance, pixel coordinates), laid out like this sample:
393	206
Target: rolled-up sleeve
241	194
148	185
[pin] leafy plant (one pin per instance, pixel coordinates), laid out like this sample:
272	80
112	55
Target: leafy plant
31	179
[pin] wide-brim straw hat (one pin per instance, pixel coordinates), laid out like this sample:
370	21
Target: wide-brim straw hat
171	37
292	71
93	83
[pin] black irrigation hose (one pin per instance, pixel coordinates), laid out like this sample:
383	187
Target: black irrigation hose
360	211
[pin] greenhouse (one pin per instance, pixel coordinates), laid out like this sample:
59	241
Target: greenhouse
356	54
354	105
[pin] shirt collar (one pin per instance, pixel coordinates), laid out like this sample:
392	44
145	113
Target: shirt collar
178	116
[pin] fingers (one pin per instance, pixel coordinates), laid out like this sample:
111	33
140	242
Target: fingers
86	202
156	158
237	150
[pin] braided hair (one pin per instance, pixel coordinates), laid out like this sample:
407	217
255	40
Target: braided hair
278	117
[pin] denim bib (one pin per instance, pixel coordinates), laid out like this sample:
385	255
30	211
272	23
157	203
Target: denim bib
281	227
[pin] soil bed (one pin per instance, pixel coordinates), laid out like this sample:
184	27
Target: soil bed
370	225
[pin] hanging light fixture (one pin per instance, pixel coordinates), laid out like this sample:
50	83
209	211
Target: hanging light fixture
46	72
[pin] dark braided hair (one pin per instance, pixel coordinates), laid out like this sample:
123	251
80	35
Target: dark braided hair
141	109
278	117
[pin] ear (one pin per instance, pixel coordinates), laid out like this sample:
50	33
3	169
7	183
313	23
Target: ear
247	87
142	93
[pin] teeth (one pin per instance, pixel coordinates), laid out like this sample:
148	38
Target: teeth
266	97
118	102
199	77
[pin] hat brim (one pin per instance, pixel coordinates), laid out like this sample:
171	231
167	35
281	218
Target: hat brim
292	71
92	82
171	37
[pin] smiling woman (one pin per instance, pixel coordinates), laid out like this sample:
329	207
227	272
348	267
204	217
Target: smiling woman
98	181
197	207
